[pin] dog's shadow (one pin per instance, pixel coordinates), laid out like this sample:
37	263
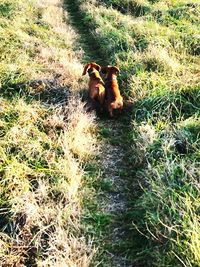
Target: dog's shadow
51	92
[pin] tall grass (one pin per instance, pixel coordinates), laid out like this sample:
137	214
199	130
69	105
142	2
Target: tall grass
156	46
43	147
153	51
168	211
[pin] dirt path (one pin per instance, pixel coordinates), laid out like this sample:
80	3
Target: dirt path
113	154
115	202
86	40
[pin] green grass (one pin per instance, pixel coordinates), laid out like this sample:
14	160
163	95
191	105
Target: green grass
43	147
50	180
153	51
156	46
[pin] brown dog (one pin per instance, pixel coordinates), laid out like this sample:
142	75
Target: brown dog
113	97
96	84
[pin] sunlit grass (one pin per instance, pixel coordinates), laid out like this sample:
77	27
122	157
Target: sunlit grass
156	46
43	148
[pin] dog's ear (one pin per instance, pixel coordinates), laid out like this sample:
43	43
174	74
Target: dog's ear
116	69
96	66
86	68
104	69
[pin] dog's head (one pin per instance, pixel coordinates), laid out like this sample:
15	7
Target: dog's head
108	71
91	66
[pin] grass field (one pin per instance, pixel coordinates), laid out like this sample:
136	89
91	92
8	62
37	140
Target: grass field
46	138
156	46
51	180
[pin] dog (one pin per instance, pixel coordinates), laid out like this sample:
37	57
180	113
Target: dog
113	97
96	84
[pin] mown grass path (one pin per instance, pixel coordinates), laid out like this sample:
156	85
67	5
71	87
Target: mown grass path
86	39
114	164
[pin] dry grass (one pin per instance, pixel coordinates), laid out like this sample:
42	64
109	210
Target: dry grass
61	60
43	148
41	48
41	184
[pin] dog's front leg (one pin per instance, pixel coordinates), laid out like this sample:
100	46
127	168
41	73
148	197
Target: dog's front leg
110	111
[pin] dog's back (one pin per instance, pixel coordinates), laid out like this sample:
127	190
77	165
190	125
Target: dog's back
96	84
97	88
114	99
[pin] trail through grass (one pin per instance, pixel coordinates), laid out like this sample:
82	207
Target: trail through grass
115	174
156	46
81	190
86	40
